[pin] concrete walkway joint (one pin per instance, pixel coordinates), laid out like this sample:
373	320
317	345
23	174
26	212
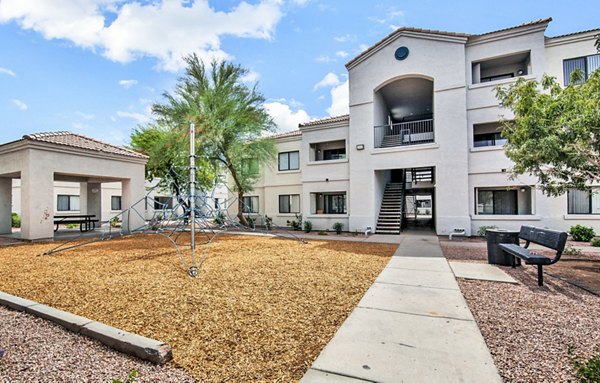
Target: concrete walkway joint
412	325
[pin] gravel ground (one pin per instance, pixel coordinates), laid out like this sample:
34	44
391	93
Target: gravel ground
261	309
39	351
530	329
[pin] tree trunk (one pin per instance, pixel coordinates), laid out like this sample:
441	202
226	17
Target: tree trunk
240	214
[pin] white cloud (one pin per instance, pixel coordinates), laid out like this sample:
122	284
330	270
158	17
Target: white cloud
80	126
340	98
7	72
127	83
138	117
284	117
324	59
344	38
166	30
251	77
342	54
19	104
330	79
363	47
85	116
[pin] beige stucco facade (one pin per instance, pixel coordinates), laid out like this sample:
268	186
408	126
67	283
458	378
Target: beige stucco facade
463	71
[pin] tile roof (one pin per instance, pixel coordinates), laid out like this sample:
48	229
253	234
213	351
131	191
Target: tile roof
287	134
576	33
327	120
80	141
444	33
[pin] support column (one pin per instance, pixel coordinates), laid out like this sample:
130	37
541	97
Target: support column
5	205
93	198
37	204
133	192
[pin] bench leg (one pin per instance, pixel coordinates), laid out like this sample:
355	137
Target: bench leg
540	276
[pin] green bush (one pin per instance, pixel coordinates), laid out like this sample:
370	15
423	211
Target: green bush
295	224
337	227
322	232
570	250
582	233
72	225
483	229
219	218
587	371
251	222
268	222
307	226
596	242
131	378
16	220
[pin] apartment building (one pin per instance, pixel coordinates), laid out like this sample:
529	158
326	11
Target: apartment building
421	145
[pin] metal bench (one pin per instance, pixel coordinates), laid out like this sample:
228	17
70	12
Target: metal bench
551	239
86	221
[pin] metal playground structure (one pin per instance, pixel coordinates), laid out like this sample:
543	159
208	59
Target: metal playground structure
193	212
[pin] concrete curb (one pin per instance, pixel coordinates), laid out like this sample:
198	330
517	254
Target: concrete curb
132	344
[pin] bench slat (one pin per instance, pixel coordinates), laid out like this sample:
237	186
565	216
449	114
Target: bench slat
552	239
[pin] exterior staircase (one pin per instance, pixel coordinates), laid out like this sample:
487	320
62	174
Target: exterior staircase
390	214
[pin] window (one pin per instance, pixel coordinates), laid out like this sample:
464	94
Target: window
67	203
587	65
327	151
330	203
497	202
160	203
500	68
334	154
289	161
115	202
487	134
250	167
250	204
583	201
289	203
217	205
488	139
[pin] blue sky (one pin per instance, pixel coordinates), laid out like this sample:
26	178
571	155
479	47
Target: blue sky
95	66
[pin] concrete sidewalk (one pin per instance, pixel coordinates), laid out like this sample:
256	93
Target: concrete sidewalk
412	325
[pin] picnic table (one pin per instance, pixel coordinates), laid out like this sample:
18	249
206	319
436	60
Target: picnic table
86	221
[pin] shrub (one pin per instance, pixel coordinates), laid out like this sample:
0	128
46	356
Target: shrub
115	222
131	378
16	220
483	229
596	242
72	225
307	226
582	233
338	226
322	232
587	371
297	223
251	222
570	250
268	222
219	218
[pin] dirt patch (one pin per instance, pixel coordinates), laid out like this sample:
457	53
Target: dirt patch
261	309
585	274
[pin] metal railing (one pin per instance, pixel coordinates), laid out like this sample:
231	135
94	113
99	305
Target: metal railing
405	133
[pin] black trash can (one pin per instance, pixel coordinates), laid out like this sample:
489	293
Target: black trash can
496	256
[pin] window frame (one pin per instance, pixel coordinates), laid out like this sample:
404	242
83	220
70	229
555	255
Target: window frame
289	203
327	204
246	205
514	192
586	69
114	198
289	168
590	195
69	203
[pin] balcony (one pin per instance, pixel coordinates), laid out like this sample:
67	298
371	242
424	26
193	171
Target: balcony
404	134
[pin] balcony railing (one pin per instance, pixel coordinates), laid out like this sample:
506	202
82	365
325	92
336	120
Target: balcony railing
405	133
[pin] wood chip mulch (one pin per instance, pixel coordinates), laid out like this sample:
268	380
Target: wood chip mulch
260	310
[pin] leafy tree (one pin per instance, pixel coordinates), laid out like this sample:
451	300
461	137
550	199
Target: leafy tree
555	134
231	124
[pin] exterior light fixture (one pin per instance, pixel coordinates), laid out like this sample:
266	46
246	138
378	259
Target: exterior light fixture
360	147
522	190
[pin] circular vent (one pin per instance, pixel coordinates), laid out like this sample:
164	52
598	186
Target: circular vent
401	53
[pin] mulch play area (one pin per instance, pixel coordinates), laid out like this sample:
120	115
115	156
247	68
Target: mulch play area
261	308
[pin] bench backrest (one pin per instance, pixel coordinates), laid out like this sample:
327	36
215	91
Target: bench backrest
549	238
